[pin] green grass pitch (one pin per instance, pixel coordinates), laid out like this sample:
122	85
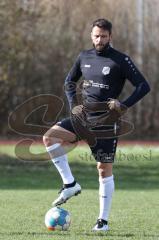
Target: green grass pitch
28	188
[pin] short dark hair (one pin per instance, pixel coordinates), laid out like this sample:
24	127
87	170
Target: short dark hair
103	23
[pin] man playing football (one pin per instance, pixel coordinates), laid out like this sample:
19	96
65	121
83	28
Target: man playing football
105	71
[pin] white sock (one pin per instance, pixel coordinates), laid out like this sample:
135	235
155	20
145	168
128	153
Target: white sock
106	189
60	161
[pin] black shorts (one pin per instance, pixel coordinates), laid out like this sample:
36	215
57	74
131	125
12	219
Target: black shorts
103	150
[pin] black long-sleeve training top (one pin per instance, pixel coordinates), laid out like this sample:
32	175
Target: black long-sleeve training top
104	75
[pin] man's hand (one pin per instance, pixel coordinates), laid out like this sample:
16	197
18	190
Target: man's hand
79	113
114	104
77	109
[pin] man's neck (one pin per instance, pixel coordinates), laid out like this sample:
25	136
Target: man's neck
104	51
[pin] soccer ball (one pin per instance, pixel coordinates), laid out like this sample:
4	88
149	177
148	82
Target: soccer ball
57	218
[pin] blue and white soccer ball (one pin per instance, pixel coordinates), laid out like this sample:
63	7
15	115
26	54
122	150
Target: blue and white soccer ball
57	218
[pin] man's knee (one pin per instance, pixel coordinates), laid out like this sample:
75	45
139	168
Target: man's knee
48	141
51	137
104	169
58	134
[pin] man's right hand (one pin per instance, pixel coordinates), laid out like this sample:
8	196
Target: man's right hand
79	113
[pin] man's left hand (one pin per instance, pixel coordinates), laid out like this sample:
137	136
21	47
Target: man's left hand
114	104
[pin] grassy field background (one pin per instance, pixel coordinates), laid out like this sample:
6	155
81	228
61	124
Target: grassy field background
28	188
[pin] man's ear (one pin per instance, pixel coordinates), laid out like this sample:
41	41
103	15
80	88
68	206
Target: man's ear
111	37
91	34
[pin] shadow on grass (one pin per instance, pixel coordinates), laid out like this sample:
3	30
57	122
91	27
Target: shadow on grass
69	234
59	233
17	174
116	235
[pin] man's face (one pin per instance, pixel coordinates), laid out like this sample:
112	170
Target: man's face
100	38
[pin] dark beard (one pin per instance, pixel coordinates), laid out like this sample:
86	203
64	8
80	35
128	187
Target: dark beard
105	47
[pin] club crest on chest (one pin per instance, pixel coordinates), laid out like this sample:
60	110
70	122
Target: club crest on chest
106	70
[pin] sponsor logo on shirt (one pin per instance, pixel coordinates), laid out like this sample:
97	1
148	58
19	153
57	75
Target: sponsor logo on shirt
87	65
91	83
